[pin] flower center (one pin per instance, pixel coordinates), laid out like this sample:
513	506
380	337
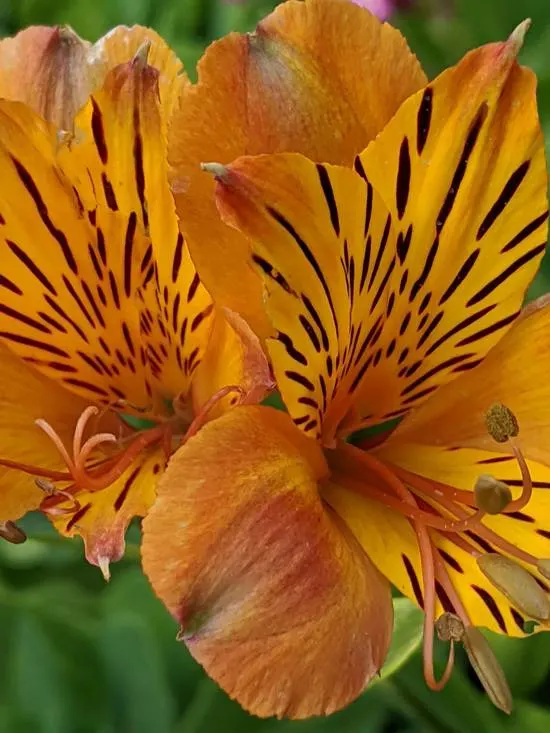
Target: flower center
88	470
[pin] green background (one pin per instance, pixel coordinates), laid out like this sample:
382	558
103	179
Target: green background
80	656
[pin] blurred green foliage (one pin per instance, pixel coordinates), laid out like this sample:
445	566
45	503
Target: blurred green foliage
80	656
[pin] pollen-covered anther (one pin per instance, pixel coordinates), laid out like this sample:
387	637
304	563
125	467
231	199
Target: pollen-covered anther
543	566
487	668
12	533
492	496
501	423
517	584
449	627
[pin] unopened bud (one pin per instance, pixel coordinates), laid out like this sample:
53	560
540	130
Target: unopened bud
492	495
449	627
487	668
517	584
501	423
12	533
543	566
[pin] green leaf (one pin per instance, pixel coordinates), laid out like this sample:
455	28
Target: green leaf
137	683
407	635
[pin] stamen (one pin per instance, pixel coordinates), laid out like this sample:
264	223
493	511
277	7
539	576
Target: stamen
54	437
50	490
517	584
12	533
81	427
501	423
487	668
202	415
492	496
525	498
449	627
543	566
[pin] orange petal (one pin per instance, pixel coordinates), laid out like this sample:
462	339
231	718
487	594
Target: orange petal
462	170
121	44
25	396
48	69
275	599
102	517
293	85
234	357
514	373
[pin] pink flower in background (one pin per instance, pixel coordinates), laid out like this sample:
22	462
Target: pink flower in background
381	8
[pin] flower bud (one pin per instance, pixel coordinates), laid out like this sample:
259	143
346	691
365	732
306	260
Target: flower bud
492	495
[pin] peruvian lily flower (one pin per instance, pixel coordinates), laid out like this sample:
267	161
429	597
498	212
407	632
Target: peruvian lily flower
102	314
394	290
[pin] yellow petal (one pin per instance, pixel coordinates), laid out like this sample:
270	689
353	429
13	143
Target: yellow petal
275	599
461	168
293	85
48	69
234	357
102	517
25	396
513	373
98	289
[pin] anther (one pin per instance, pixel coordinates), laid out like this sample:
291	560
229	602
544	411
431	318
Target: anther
501	423
492	496
487	668
449	627
12	533
543	566
517	584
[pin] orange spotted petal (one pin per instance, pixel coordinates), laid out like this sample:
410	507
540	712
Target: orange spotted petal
326	300
513	373
98	289
293	85
274	597
26	395
102	517
462	170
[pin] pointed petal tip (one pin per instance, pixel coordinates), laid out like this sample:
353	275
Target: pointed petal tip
103	565
141	57
515	41
218	170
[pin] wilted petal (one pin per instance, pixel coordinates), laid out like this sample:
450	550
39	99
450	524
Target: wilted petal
274	596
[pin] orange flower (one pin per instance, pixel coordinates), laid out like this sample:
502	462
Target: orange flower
102	313
393	292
